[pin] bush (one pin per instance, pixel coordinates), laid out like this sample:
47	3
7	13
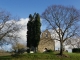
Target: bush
28	50
76	50
48	51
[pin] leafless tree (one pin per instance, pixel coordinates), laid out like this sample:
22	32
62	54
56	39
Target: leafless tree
63	20
18	46
8	27
73	42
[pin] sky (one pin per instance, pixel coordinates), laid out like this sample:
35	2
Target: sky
23	8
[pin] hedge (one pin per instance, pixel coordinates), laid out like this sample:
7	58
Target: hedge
76	50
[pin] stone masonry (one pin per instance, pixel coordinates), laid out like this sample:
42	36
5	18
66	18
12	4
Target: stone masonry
46	42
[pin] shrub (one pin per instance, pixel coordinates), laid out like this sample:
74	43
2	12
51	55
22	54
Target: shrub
48	51
76	50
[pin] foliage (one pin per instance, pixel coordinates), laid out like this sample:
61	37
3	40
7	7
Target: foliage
29	32
48	51
76	50
33	33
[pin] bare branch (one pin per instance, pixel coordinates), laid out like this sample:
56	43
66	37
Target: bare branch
63	21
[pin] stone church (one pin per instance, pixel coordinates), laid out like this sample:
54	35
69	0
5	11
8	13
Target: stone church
46	42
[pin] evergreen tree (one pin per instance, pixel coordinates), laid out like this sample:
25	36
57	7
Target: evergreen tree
29	29
33	33
37	31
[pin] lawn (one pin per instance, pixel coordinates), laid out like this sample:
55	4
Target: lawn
42	56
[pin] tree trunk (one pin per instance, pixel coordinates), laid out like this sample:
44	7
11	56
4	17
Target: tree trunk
61	48
34	49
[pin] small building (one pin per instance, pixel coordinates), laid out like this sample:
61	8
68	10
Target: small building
46	42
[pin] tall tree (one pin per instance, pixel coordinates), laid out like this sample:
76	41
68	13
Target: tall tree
29	31
37	30
63	20
33	33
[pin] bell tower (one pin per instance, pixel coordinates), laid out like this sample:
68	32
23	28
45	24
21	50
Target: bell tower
46	34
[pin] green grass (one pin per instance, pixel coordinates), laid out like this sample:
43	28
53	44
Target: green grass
5	58
42	56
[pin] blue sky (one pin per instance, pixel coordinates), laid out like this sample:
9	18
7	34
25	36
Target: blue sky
23	8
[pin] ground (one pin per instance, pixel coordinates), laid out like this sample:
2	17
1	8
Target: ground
42	56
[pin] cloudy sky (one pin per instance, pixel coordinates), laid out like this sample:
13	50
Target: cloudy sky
23	8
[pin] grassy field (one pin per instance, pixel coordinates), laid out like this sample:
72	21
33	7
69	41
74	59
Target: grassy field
42	56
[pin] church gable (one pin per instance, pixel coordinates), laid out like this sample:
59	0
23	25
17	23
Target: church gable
46	34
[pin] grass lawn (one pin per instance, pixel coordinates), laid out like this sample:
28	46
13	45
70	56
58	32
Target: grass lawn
42	56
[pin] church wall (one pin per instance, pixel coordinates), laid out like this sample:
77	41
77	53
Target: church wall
46	42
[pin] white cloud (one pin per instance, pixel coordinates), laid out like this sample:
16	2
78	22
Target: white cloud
23	22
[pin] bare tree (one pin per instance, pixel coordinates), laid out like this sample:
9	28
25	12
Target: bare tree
18	46
63	20
73	42
8	27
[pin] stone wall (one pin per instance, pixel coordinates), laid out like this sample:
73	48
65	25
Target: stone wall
46	42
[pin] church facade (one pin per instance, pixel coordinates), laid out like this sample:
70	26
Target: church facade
46	42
